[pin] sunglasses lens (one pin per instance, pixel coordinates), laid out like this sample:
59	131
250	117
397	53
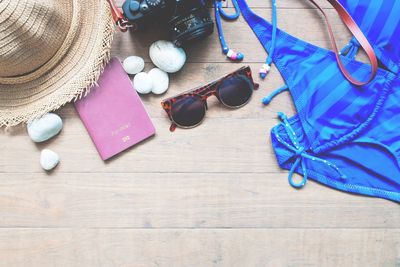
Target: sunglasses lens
188	111
235	91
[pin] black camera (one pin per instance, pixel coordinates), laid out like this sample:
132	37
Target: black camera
187	20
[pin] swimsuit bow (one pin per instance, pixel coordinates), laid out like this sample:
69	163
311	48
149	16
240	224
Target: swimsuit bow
300	154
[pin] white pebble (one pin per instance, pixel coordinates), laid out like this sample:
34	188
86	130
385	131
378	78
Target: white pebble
49	159
43	129
143	83
160	81
133	65
167	56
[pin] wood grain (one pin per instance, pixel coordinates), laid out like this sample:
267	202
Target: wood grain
183	200
210	196
267	4
302	23
193	247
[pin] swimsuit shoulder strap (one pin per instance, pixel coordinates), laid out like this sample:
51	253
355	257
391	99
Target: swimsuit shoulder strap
355	30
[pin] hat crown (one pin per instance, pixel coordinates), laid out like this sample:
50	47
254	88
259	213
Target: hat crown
32	32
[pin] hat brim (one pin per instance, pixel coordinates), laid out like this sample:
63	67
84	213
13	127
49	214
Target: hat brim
77	72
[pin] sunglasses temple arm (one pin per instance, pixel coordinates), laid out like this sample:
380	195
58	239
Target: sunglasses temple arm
206	104
173	126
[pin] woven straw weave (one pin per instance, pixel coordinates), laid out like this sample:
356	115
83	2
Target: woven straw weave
51	53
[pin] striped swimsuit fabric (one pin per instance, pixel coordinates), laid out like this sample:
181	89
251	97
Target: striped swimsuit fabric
380	22
343	136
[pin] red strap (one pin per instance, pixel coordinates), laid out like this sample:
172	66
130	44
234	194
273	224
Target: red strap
122	23
355	30
117	14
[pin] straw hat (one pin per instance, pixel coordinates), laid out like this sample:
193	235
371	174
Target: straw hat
51	51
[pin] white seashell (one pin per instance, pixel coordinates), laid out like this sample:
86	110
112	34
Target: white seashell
143	83
160	81
45	128
49	159
133	64
166	56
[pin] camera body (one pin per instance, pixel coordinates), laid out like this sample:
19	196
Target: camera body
187	20
143	11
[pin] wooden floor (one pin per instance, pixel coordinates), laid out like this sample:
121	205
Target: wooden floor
210	196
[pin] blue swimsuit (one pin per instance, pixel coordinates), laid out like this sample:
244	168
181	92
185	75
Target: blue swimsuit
343	136
380	22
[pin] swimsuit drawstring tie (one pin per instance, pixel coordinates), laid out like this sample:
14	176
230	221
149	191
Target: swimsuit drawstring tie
351	49
300	153
266	100
267	66
219	12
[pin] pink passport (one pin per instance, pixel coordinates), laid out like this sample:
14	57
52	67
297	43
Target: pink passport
113	113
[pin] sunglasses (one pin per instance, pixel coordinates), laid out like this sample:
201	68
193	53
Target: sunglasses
188	109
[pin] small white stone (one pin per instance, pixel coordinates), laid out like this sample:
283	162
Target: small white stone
160	81
167	56
49	159
46	127
143	83
133	65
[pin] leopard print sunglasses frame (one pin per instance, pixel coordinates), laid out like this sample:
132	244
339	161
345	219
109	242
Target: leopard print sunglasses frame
201	94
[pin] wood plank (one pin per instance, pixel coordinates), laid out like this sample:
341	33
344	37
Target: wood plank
212	147
305	24
248	150
267	4
286	4
233	248
197	74
183	200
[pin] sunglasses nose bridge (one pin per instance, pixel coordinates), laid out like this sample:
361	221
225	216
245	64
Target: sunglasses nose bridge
205	98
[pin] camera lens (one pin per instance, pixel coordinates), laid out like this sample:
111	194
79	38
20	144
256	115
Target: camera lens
191	22
144	7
